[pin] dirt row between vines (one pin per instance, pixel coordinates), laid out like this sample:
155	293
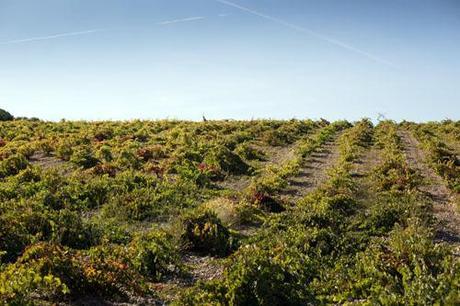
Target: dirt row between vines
313	173
448	220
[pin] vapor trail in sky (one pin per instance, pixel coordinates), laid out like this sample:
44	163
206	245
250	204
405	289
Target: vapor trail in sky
68	34
54	36
180	20
320	36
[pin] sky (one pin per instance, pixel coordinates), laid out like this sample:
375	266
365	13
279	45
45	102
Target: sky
230	59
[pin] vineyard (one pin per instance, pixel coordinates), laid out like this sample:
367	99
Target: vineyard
260	212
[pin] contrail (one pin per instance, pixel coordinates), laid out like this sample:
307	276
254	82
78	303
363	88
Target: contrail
19	41
180	20
310	32
67	34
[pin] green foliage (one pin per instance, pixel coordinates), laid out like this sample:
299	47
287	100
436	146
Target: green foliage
138	204
84	157
70	230
225	161
394	175
151	152
145	202
275	276
12	165
352	140
137	196
20	285
5	116
201	176
406	269
250	153
276	138
13	237
204	233
442	158
390	209
104	153
58	272
64	150
269	183
128	159
155	255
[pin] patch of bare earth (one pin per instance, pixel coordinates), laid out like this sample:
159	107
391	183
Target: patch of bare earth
448	220
235	183
201	268
368	159
279	154
312	174
44	161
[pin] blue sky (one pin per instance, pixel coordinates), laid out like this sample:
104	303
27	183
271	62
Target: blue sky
242	59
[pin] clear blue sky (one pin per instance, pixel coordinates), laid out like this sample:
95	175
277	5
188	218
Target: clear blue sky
125	59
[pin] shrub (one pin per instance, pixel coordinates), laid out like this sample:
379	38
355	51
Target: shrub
45	259
84	157
225	161
445	162
107	271
248	214
266	202
269	183
14	237
249	153
154	254
128	159
20	285
12	165
79	272
111	231
204	233
64	150
70	230
103	134
200	175
395	175
105	153
278	276
5	116
151	152
138	204
389	210
277	137
105	169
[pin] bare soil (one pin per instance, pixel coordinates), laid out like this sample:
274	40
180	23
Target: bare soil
201	268
48	162
368	160
448	220
277	155
312	174
235	183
